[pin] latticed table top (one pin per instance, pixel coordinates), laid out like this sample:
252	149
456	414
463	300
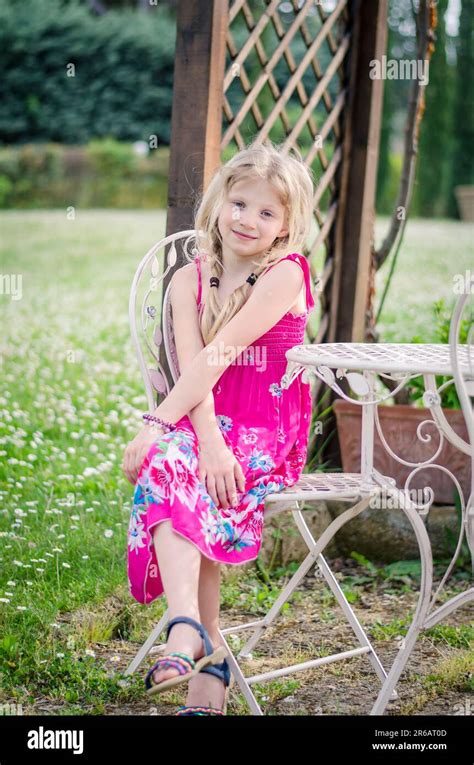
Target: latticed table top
385	357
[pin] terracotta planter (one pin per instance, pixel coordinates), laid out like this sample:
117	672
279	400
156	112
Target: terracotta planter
399	424
465	199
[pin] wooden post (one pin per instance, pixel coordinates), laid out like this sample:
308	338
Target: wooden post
196	119
348	290
356	211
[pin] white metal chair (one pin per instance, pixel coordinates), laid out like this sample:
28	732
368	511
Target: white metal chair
311	488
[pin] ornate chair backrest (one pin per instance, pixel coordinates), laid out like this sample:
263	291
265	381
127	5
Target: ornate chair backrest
464	383
149	326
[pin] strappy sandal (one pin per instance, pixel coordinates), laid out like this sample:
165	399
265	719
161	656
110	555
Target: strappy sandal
185	664
223	673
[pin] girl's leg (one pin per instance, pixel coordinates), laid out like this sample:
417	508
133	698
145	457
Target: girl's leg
180	563
210	596
204	689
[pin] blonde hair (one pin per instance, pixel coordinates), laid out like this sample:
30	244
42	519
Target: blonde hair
293	182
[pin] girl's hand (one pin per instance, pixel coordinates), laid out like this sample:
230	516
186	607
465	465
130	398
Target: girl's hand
220	470
137	450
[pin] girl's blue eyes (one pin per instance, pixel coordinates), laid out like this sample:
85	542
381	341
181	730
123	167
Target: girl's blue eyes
241	203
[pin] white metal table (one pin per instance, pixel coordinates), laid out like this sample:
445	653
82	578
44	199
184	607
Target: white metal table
360	364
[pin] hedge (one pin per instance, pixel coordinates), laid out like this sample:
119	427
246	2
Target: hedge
122	67
105	173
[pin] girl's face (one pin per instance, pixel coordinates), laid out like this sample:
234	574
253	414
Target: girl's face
253	209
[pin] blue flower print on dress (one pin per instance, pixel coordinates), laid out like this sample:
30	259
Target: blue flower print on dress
275	390
136	532
261	461
258	493
214	529
225	423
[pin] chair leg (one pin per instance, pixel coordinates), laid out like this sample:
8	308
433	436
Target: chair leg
343	602
240	678
285	594
396	670
316	556
147	646
423	605
354	622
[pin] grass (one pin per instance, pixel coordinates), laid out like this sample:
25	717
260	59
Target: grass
432	253
71	401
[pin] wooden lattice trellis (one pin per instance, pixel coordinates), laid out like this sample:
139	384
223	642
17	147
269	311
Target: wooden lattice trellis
298	73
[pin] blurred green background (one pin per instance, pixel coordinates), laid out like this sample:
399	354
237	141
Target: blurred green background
87	91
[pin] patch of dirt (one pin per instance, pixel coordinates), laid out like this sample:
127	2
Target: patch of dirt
316	626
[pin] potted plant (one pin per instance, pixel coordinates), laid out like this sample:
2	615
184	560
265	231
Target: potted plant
399	423
465	200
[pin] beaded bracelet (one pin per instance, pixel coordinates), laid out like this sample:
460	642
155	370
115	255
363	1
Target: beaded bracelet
167	425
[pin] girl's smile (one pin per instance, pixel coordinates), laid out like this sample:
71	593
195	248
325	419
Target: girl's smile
243	236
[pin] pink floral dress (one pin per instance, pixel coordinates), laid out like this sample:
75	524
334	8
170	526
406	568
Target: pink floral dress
265	426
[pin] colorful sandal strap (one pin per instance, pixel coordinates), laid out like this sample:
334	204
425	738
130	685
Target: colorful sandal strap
183	711
176	660
183	656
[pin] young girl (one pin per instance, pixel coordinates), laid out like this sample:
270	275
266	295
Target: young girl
228	435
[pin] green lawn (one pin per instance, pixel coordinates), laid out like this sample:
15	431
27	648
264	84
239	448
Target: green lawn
71	400
432	253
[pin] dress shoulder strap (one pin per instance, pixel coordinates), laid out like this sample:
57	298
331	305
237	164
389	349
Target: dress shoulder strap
197	261
298	258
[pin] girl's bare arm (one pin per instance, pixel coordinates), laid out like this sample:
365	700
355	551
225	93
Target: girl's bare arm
271	298
189	342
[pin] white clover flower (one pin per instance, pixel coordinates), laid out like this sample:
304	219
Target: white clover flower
108	533
66	565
